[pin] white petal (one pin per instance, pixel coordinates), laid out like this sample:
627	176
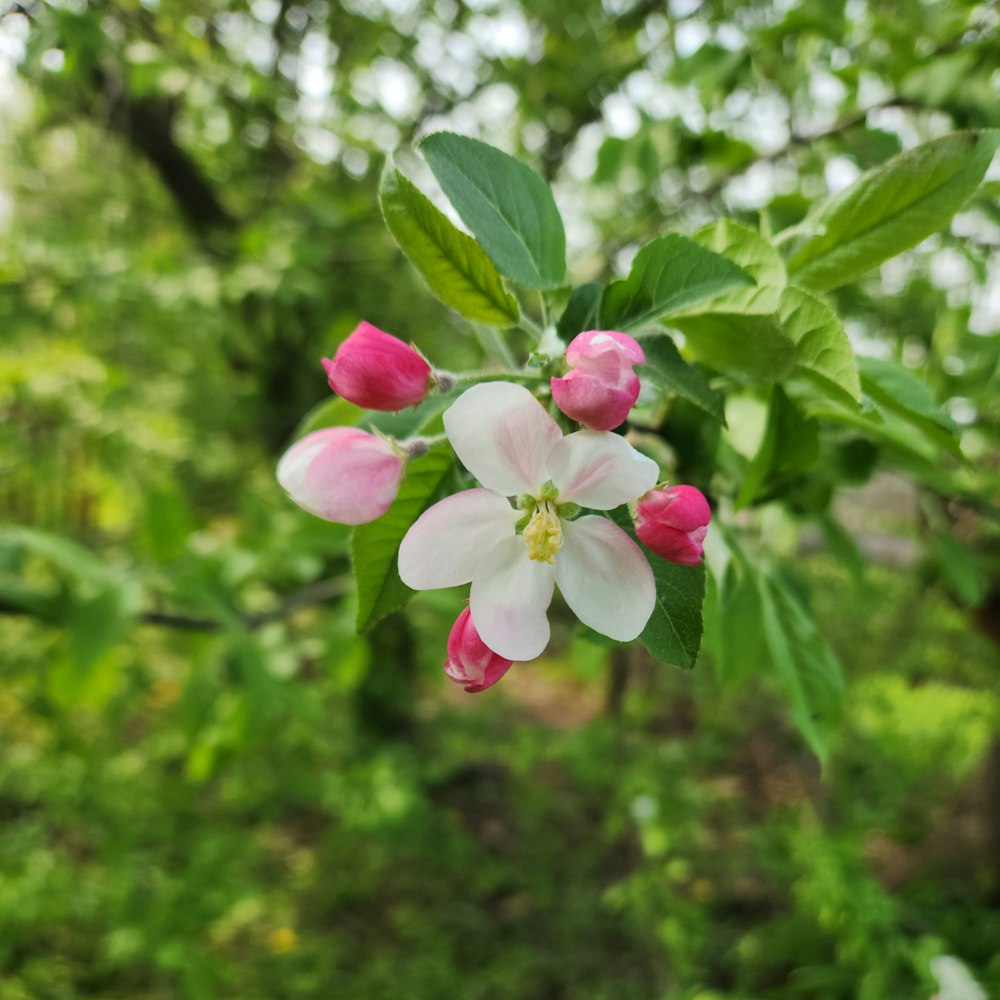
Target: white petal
509	598
599	469
502	434
444	544
605	578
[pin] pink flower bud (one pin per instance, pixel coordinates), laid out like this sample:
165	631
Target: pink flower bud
673	522
377	371
341	474
470	661
601	386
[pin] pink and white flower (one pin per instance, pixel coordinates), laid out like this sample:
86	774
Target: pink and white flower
514	448
673	522
601	387
378	371
470	661
342	474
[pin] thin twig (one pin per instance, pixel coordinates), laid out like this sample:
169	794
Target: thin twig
182	622
798	139
315	593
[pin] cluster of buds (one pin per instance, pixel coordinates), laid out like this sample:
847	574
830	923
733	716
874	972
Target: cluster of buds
505	438
344	474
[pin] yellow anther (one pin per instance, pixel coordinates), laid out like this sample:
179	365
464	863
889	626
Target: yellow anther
543	534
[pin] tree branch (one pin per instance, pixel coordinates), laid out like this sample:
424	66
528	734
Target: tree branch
798	139
147	125
314	593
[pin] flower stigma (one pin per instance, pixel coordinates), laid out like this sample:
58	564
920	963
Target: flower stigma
543	534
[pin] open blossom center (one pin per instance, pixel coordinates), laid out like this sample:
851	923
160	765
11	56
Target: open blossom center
543	535
515	555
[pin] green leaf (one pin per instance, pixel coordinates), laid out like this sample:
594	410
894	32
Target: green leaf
841	546
918	452
934	82
95	603
96	624
454	266
508	207
760	464
166	524
259	685
72	558
665	366
581	311
374	546
753	346
669	274
960	570
803	663
733	631
823	352
337	412
424	418
17	597
673	632
73	685
901	392
747	248
890	209
333	412
762	625
789	448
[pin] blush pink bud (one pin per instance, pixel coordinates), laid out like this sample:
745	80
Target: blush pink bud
601	386
470	661
342	474
377	371
673	521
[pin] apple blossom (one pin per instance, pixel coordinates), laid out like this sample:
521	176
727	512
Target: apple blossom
470	661
505	438
601	386
673	522
342	474
378	371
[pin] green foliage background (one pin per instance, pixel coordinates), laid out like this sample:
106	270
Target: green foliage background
211	786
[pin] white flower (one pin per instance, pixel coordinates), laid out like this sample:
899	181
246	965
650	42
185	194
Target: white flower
514	448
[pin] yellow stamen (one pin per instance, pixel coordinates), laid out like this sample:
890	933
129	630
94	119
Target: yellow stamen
543	534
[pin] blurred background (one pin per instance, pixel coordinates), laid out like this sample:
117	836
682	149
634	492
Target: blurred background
209	785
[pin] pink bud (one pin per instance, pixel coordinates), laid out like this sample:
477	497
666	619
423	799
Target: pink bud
341	474
470	661
593	344
601	386
377	371
673	522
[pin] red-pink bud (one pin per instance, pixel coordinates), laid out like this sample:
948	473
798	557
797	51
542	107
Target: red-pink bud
377	371
673	521
601	386
341	474
470	661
